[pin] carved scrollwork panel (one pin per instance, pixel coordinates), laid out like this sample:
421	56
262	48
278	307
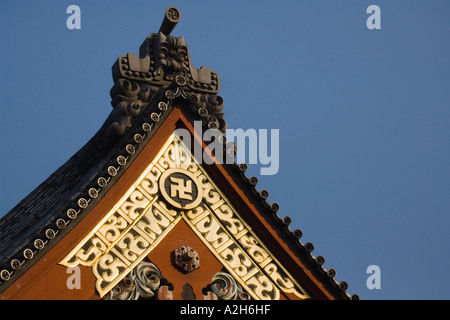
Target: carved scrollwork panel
175	187
224	287
145	281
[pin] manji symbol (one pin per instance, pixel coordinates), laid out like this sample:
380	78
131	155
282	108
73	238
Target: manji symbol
173	14
180	188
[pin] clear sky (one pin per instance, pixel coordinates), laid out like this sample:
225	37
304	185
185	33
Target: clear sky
363	115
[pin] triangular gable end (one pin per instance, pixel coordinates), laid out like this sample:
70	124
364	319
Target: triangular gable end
172	188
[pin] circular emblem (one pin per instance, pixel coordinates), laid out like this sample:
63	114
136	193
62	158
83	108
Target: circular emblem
180	188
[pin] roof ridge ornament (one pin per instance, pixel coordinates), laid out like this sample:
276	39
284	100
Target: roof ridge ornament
171	18
164	64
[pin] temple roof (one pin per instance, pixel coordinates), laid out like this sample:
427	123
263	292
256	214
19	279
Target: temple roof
146	90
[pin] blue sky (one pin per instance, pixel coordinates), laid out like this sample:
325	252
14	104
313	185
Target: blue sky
363	114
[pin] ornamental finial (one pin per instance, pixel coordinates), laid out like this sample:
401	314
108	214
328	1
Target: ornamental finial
171	18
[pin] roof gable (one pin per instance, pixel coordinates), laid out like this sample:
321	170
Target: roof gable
153	95
172	188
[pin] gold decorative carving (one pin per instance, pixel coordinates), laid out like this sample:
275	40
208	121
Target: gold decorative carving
224	287
143	282
180	189
175	187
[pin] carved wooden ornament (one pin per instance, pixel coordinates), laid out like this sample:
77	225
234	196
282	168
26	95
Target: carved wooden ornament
144	216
